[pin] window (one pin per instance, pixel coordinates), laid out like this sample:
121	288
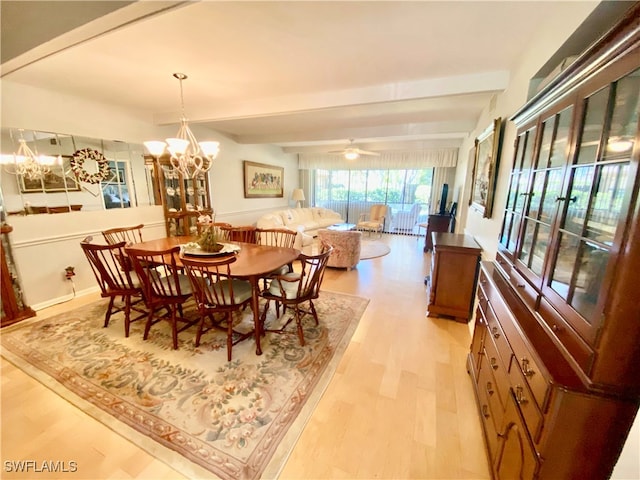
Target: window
352	192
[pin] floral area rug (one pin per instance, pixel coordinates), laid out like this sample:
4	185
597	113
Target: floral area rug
237	419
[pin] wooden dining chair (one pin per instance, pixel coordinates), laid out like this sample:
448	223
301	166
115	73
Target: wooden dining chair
295	289
129	235
201	226
163	286
276	237
242	233
215	292
110	265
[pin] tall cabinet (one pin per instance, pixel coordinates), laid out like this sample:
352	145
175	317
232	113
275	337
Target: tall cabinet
556	346
183	199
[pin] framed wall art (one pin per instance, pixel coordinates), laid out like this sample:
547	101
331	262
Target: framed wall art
485	168
57	180
262	180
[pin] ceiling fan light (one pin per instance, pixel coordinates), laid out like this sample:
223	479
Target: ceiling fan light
351	154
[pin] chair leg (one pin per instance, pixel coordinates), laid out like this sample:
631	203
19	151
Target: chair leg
127	315
313	312
200	329
299	324
229	335
147	327
107	315
263	317
174	328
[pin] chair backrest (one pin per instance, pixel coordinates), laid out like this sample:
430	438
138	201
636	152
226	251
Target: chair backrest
129	235
159	274
111	267
276	237
312	273
377	213
243	233
210	281
201	226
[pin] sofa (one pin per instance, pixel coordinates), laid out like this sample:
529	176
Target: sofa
346	247
305	220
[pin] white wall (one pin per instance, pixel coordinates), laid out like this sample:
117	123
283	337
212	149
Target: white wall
43	245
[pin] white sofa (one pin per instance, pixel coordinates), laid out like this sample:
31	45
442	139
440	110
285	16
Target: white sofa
304	220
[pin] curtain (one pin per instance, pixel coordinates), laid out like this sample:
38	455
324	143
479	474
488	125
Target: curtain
440	177
415	159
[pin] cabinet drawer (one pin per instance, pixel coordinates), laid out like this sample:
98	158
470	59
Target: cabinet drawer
578	348
525	290
491	388
498	367
494	330
525	400
526	364
487	412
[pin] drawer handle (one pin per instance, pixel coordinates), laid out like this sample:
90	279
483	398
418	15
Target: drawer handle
496	332
520	398
520	285
555	328
526	369
494	363
485	411
489	388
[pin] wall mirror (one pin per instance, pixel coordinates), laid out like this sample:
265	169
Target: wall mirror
84	174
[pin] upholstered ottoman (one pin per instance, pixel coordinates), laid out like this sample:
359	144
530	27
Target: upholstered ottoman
346	247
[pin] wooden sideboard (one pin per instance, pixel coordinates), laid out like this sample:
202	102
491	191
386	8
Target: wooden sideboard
454	273
554	356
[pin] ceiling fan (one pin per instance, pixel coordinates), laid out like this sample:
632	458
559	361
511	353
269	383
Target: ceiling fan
352	152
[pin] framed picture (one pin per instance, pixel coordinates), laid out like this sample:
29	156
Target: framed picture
485	168
261	180
54	181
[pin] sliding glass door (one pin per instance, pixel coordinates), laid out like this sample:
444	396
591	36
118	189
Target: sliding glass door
352	192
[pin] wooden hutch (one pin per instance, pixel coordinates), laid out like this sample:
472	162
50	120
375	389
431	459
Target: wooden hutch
556	347
183	199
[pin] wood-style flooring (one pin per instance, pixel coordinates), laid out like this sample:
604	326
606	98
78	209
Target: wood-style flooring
399	406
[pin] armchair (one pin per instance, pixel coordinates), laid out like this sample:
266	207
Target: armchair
406	220
374	220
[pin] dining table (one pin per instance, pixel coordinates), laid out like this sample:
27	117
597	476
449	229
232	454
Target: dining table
253	262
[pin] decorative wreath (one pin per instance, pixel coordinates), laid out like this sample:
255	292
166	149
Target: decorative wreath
77	166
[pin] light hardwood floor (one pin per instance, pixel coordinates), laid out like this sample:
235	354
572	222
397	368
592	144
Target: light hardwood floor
400	405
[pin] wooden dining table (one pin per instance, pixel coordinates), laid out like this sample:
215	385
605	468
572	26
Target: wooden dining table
252	263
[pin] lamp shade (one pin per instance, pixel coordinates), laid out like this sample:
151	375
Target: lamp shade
297	195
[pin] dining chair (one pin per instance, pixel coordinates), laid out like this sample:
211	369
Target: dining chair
110	265
276	237
374	220
215	292
130	235
201	226
296	289
163	286
242	233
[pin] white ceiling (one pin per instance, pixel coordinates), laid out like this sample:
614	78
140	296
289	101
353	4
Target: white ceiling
302	75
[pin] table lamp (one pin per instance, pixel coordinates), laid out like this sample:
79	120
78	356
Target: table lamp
298	196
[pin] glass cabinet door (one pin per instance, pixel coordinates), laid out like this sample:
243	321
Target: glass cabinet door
545	190
518	191
596	201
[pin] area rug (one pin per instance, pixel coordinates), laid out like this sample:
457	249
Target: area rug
373	249
191	408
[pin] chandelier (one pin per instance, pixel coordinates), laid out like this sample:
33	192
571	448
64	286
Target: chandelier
26	163
188	156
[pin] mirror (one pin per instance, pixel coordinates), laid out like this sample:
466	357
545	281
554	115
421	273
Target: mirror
84	174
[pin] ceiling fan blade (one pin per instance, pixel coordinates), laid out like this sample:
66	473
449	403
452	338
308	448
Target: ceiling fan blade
367	152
